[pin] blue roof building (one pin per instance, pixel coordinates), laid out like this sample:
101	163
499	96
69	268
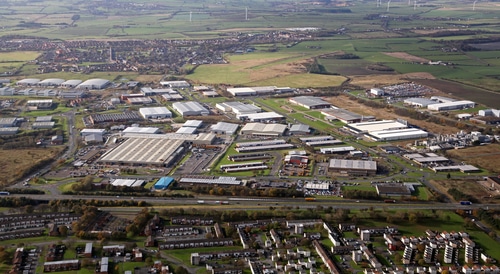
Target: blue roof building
163	183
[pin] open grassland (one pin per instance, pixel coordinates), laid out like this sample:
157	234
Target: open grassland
280	69
18	56
16	162
484	156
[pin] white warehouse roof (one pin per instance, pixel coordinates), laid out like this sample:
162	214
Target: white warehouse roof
51	82
262	116
223	127
155	112
94	84
398	134
144	130
452	105
191	108
375	126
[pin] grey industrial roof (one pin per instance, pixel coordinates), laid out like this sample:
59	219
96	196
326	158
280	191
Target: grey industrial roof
190	106
31	81
261	143
263	115
43	119
226	127
144	130
316	138
309	101
421	101
9	120
193	123
155	111
336	149
353	164
73	82
218	181
242	107
300	127
264	128
144	151
186	130
52	81
94	83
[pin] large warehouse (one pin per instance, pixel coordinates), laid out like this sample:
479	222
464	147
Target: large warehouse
175	84
345	116
353	167
94	84
264	117
28	82
51	82
190	109
260	129
144	152
238	108
71	83
310	102
367	127
155	113
464	104
419	102
223	128
398	134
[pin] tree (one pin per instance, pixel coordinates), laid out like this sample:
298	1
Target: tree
63	230
181	270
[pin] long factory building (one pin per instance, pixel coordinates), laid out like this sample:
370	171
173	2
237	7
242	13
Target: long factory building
153	149
386	130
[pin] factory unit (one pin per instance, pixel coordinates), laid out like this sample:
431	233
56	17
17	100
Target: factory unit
260	129
51	82
139	100
28	82
175	84
190	108
42	125
345	116
193	123
353	167
155	113
39	104
262	117
310	102
147	91
142	130
463	104
94	84
8	122
299	129
8	130
223	128
144	152
238	108
398	134
242	91
367	127
71	83
419	102
252	91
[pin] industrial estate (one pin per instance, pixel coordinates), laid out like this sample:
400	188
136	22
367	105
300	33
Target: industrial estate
242	137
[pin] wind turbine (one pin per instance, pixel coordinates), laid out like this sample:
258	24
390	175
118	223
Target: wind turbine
388	5
474	5
246	13
190	16
415	5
